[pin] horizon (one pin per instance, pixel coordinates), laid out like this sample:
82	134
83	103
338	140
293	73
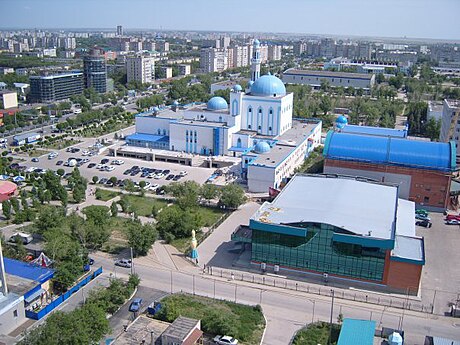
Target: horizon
361	20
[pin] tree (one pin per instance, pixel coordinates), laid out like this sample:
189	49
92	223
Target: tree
433	129
141	237
49	217
6	207
325	104
95	179
114	209
79	193
232	196
175	222
113	180
60	172
155	209
186	193
99	215
15	204
209	192
63	197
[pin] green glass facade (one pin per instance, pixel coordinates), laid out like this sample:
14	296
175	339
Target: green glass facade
318	252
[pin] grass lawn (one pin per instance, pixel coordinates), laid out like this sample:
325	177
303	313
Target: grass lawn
245	323
117	241
143	205
106	195
37	153
96	132
58	145
317	333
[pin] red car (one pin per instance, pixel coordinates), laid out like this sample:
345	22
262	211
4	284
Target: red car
453	216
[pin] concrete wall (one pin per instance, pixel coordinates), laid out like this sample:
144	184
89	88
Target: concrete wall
427	188
9	320
151	124
260	178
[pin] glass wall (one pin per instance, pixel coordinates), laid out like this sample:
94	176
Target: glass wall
317	252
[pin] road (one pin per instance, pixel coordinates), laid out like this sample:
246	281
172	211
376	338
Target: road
287	311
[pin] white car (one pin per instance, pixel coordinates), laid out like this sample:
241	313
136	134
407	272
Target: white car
31	169
154	187
109	168
225	340
183	173
159	176
85	153
147	185
118	162
52	155
100	166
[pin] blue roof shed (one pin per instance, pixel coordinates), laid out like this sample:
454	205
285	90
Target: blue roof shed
379	131
390	151
357	332
27	271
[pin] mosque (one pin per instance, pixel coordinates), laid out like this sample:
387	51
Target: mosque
257	126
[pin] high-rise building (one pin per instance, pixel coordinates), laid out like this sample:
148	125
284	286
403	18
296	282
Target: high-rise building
184	69
55	87
140	68
255	61
162	46
95	71
119	30
238	56
68	43
450	124
274	52
213	60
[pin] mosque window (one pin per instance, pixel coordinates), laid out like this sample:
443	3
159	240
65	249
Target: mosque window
159	131
186	132
270	128
249	126
260	127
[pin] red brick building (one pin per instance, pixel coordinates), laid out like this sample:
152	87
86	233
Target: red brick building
421	169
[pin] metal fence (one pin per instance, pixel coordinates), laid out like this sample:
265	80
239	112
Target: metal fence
405	302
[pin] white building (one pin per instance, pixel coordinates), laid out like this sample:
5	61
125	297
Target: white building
450	127
140	68
257	125
435	110
213	60
166	72
184	69
274	52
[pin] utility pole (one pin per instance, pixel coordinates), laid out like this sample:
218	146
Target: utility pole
330	322
132	260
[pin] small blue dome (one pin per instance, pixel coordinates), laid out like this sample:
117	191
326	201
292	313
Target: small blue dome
262	147
156	109
176	103
250	83
268	85
256	42
217	103
342	119
237	88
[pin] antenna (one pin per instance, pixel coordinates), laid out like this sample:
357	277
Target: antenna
4	287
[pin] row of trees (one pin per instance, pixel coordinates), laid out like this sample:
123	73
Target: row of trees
86	324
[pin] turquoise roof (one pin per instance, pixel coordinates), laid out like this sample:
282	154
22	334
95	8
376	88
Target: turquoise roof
261	147
256	42
390	151
342	119
268	85
217	103
357	332
237	87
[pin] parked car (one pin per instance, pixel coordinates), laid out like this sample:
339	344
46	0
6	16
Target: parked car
127	172
453	222
422	212
103	180
452	217
183	173
420	217
109	168
177	178
59	162
35	160
135	305
91	165
100	166
424	223
153	187
225	340
104	161
170	177
123	263
21	236
159	176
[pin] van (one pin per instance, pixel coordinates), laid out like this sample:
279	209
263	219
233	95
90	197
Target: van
21	236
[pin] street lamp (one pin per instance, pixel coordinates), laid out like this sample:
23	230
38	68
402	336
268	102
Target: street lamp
330	321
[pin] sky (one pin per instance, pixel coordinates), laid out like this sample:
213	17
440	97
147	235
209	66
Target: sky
436	19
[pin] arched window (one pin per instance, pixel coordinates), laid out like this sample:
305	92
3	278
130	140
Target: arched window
159	131
164	131
238	142
186	132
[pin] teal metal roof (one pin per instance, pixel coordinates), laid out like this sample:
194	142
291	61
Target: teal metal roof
357	332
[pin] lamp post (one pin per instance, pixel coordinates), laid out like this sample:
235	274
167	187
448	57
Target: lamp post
330	321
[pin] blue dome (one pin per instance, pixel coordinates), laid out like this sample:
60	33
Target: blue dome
217	103
176	103
156	109
261	147
268	85
237	88
250	83
342	119
256	42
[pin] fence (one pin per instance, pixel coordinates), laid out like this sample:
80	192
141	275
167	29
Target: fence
358	296
58	301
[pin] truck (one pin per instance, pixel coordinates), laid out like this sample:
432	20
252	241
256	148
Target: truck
153	308
27	138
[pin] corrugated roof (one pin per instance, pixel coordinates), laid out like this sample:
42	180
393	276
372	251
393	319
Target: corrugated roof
391	151
445	341
357	332
27	271
147	137
379	131
330	74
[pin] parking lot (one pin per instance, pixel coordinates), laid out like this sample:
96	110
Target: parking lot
104	167
441	272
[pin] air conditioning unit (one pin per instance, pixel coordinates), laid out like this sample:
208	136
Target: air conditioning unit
263	266
276	268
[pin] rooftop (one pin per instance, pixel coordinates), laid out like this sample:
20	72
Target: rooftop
331	74
360	207
140	330
287	142
391	151
453	103
357	332
27	270
63	75
379	131
181	328
148	137
409	249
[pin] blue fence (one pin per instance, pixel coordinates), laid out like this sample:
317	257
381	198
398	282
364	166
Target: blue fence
50	307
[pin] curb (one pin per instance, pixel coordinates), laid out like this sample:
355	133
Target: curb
265	328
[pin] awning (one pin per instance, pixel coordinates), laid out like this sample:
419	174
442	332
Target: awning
35	295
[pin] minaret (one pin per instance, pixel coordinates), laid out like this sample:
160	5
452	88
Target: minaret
193	245
255	61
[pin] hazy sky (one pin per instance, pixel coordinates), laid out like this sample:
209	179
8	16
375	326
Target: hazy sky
391	18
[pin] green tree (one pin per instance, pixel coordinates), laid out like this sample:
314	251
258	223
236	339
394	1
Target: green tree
49	217
15	204
232	196
95	179
6	208
141	237
209	191
433	129
60	172
99	215
114	209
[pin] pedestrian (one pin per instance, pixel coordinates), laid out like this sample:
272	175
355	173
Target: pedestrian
233	276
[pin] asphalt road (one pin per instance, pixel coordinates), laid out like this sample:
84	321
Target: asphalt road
286	311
